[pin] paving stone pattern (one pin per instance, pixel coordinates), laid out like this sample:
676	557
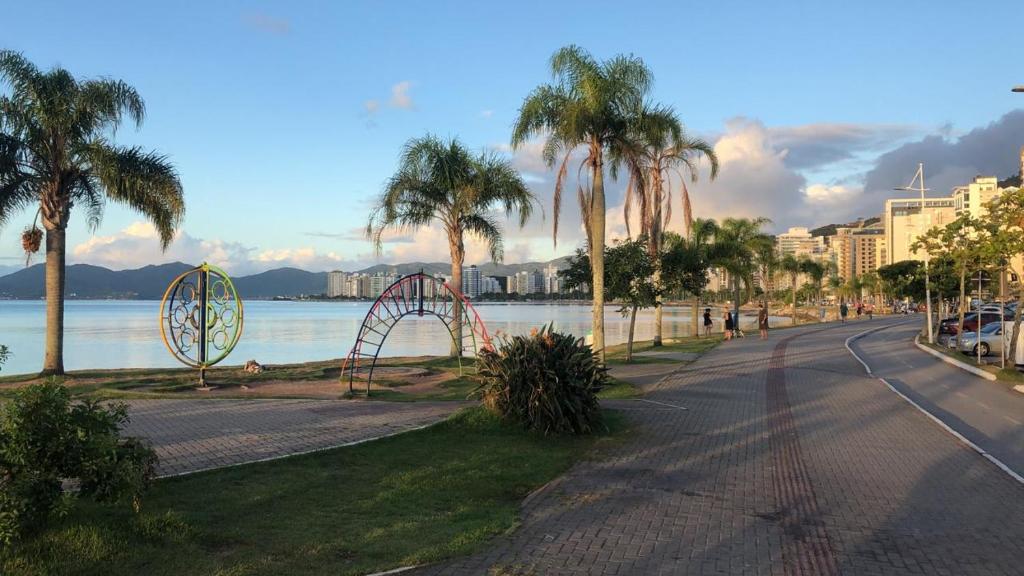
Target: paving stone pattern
193	435
788	461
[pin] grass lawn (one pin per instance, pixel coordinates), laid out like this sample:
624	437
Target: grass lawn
617	354
410	499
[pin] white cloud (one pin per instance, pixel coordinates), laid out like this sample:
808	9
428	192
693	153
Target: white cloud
371	106
486	113
266	23
139	245
400	97
831	195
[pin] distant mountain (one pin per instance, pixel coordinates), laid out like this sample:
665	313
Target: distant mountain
150	282
281	282
488	269
5	269
830	229
1011	181
88	281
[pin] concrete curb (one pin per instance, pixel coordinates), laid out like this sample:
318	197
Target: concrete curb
953	361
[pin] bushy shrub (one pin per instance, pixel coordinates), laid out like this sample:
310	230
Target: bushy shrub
548	381
53	450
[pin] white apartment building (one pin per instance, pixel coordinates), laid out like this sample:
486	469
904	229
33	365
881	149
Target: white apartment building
336	287
471	281
905	220
971	199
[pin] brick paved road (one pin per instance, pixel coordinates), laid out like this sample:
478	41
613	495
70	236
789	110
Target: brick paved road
191	435
788	461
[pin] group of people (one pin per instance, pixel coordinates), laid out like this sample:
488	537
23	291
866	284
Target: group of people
731	323
862	309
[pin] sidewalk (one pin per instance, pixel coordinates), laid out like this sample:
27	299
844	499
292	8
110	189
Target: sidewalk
772	457
199	434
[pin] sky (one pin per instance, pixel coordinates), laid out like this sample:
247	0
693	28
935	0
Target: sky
284	119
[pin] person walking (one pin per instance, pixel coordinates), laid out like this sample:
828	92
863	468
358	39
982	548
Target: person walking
762	320
728	325
869	308
843	311
707	322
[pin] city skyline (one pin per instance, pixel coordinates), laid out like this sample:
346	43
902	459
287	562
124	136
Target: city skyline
220	78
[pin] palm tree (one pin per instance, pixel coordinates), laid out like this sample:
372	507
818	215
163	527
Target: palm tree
792	266
657	150
737	242
56	152
591	105
816	271
442	181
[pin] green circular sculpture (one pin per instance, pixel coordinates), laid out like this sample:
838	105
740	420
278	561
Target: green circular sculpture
201	317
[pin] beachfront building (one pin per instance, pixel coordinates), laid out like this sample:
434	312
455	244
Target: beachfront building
552	281
471	281
336	284
490	285
970	200
857	250
905	219
798	241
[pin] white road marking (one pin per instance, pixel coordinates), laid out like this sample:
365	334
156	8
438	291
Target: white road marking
934	418
961	394
1014	420
983	405
662	404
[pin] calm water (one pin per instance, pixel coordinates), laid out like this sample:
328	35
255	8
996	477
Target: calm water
126	334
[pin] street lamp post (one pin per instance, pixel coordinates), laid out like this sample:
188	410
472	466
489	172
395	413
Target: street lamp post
919	177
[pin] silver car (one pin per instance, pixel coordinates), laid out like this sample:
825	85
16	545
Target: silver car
992	339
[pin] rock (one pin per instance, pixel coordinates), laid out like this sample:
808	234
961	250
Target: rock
253	367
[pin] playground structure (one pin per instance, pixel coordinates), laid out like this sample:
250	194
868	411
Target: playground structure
419	294
201	318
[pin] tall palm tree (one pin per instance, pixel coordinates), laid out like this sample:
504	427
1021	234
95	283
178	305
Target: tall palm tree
442	181
792	266
591	105
816	271
657	151
737	242
56	152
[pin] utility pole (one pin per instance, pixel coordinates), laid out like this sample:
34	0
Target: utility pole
919	177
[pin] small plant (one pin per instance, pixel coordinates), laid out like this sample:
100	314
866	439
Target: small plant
53	451
548	381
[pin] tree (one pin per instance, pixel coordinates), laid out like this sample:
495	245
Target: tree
577	276
56	152
442	181
657	150
816	271
737	242
1005	243
791	265
628	281
960	240
904	279
591	105
685	262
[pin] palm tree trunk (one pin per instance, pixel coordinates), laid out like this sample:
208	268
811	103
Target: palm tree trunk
656	278
629	344
792	286
960	327
457	257
53	361
695	317
597	222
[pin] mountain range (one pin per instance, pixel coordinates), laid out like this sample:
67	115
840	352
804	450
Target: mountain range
150	282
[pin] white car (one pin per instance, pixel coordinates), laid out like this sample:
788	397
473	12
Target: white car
992	340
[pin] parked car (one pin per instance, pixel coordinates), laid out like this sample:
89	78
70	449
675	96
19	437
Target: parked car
950	325
992	340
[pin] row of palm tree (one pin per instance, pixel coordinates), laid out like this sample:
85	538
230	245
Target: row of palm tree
57	153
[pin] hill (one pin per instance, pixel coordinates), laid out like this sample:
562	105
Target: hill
149	282
830	229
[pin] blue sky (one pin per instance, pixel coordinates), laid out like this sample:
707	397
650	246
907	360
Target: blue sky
284	118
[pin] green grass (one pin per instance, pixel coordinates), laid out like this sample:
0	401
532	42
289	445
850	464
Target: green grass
618	390
418	497
617	354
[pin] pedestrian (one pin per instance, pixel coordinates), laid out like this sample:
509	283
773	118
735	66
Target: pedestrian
860	309
707	321
762	320
843	311
870	309
728	325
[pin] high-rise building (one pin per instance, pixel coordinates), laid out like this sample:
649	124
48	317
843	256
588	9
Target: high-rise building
971	199
857	250
904	220
336	284
552	282
798	241
471	281
490	285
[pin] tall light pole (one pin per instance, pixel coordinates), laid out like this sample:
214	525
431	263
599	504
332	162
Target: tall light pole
919	177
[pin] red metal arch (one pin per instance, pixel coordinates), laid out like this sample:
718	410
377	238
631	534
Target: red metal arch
418	294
